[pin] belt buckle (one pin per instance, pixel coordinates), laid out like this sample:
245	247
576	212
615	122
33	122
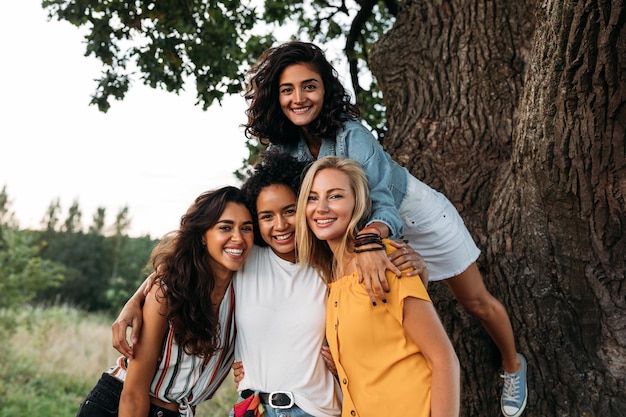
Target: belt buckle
287	393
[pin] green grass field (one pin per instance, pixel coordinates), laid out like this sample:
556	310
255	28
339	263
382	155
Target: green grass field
53	358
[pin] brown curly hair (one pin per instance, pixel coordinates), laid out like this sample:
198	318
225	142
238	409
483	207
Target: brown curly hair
274	168
266	120
182	267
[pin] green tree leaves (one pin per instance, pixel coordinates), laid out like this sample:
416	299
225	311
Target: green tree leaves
168	43
22	269
63	264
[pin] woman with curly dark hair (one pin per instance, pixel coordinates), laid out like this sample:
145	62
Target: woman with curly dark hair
268	121
297	104
186	346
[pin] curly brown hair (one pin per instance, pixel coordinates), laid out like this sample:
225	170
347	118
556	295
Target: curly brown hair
182	267
266	120
274	168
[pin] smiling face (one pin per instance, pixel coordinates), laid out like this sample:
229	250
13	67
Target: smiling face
230	239
276	212
330	205
301	94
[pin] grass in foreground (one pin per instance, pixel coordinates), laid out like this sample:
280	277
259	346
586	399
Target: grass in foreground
56	355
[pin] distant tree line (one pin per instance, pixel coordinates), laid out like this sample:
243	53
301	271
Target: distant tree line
95	269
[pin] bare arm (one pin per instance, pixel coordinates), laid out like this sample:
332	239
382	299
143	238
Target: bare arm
372	266
423	326
130	316
135	398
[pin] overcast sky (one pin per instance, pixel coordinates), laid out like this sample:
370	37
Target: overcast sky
154	151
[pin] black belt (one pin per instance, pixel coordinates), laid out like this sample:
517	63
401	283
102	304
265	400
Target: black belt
274	399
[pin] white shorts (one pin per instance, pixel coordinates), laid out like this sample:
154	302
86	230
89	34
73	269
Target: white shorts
434	228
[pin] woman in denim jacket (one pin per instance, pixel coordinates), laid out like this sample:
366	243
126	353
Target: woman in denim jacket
297	103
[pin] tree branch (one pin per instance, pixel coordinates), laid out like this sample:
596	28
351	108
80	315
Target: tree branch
366	11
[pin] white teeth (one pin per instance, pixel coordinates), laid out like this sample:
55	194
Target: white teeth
325	221
303	110
237	252
283	237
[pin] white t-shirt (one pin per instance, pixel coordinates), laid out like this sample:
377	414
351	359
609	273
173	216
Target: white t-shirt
280	319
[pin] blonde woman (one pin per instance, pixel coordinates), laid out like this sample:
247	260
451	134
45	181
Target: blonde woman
392	361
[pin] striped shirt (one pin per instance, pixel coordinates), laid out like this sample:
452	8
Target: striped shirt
188	379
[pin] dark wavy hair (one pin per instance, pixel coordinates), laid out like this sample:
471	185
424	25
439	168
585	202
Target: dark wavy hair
181	262
273	168
266	120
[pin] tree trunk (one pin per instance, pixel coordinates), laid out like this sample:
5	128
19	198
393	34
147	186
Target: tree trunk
517	112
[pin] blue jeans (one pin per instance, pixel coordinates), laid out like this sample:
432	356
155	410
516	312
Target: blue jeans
104	401
294	411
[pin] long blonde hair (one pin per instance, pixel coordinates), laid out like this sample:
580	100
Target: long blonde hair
317	252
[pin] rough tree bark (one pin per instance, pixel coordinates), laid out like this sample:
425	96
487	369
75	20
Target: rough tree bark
517	112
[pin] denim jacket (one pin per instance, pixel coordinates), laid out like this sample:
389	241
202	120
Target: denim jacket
387	179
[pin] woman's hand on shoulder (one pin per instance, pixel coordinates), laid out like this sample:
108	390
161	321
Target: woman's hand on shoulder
131	316
408	261
372	262
371	267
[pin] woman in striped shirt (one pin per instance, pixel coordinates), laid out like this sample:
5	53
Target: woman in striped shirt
187	340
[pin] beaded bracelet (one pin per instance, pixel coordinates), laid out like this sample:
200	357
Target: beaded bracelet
367	243
372	235
363	240
369	249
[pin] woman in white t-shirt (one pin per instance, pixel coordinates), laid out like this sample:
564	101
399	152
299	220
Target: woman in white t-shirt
281	306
